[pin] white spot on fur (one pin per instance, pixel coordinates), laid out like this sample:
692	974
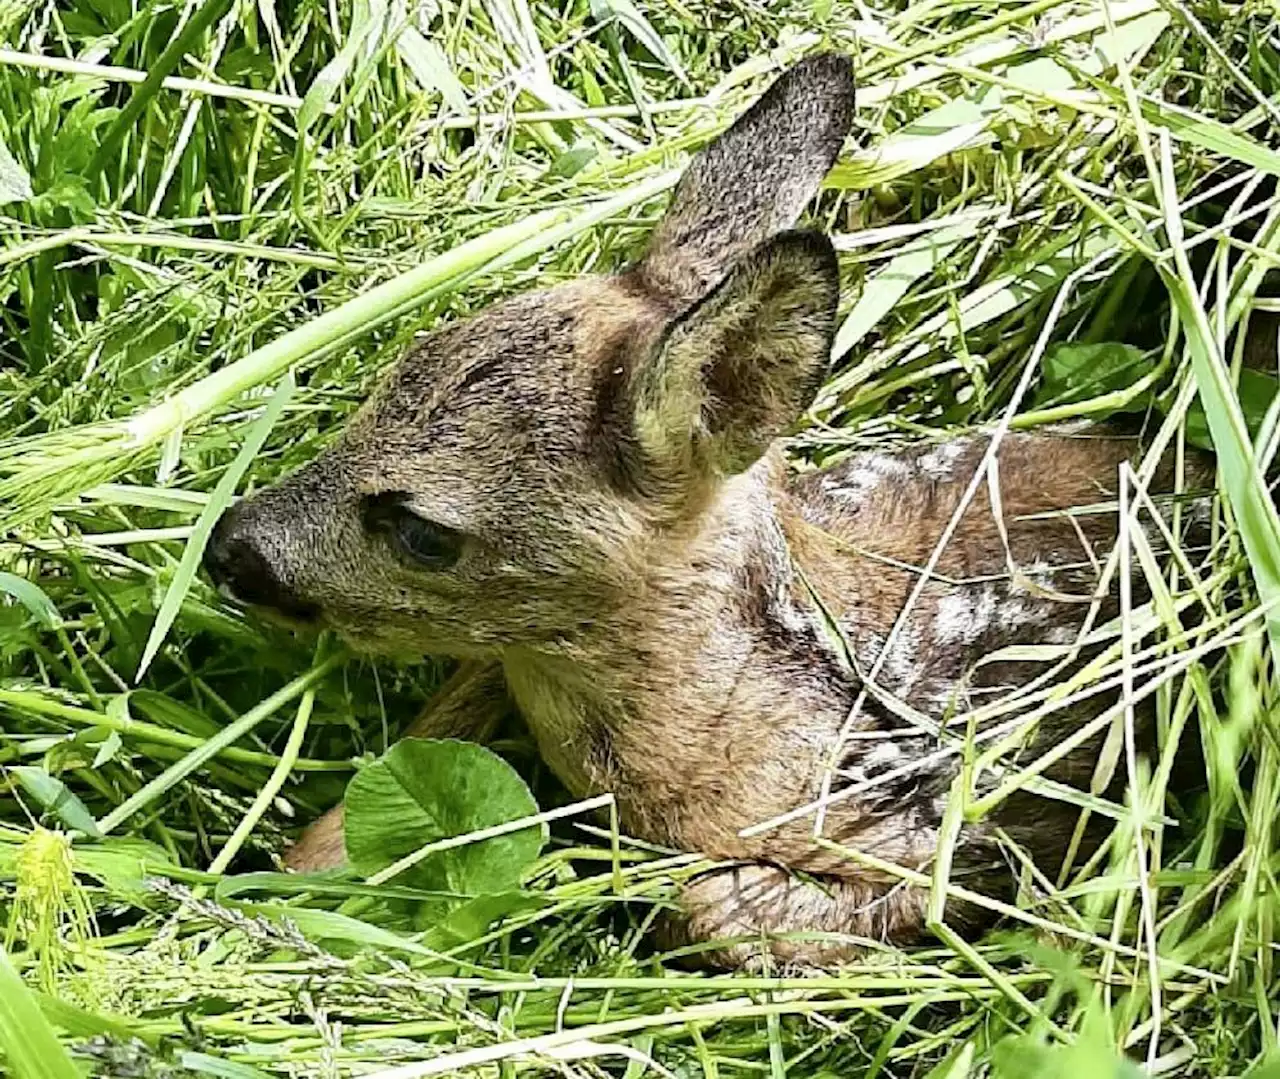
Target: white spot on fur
872	470
1022	611
1071	427
940	462
783	606
964	617
1040	572
885	753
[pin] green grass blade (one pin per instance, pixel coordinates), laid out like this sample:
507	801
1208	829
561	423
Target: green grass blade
200	21
1245	488
215	745
1210	135
31	1049
32	597
441	275
629	16
887	287
218	502
945	130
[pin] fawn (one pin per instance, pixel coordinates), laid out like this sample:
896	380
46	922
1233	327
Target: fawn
579	493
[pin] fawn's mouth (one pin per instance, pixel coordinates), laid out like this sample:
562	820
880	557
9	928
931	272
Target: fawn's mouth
289	614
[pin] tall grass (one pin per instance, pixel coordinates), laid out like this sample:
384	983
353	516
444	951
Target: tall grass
198	199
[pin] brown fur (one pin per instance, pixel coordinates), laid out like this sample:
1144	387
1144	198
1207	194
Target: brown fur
635	561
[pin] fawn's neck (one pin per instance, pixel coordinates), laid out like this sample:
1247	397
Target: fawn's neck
718	651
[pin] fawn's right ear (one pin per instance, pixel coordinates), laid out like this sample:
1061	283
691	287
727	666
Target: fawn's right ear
738	368
754	180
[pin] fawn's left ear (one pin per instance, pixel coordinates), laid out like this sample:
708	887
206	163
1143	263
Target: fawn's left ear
754	180
740	366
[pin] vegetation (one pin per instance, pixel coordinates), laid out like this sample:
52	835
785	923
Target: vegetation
222	219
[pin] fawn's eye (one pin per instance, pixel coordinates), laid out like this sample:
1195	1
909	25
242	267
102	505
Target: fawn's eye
434	546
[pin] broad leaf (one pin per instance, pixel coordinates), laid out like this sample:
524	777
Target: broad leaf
122	864
1093	1053
32	597
1266	1068
427	790
56	797
1077	372
1022	1058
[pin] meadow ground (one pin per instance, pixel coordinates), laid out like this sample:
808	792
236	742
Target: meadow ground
221	219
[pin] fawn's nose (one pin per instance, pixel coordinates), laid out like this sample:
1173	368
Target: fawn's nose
237	564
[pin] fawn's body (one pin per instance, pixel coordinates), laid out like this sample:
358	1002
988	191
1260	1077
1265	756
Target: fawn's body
579	494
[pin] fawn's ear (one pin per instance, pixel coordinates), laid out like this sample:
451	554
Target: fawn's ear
754	180
740	366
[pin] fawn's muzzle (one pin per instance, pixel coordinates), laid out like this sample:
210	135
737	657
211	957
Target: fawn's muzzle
235	561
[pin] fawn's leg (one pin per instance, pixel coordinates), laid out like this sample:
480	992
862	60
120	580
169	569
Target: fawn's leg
469	706
760	903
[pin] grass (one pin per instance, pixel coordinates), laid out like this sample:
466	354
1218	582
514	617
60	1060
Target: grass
1053	210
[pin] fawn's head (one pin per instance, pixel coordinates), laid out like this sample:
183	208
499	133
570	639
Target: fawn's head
506	479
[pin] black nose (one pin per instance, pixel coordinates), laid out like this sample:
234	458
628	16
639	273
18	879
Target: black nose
235	561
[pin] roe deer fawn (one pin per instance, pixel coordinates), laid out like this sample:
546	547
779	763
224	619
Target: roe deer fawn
579	494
